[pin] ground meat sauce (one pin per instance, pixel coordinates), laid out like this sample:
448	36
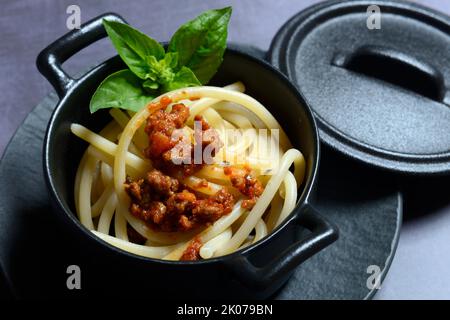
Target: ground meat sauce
161	200
248	185
192	252
164	144
167	205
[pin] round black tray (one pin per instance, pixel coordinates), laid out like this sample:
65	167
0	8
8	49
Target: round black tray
35	254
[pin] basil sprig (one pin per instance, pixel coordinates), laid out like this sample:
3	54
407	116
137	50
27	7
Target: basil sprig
194	54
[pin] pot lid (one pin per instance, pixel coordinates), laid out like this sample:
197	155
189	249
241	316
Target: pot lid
377	76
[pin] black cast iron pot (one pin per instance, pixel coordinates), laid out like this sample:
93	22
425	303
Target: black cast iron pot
255	272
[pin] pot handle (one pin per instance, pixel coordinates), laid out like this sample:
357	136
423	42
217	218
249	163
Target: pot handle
49	61
323	233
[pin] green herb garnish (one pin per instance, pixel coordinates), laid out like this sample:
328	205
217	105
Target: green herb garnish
193	56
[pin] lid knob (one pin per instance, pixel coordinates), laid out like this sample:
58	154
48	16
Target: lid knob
395	67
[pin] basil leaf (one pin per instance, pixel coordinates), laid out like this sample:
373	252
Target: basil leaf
200	43
133	46
150	84
171	60
162	71
121	89
184	78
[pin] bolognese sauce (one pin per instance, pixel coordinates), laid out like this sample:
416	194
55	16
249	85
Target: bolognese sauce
192	252
159	198
167	205
174	153
246	183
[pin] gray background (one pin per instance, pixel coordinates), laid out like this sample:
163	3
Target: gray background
420	269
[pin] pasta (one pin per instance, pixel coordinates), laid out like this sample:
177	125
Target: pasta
151	207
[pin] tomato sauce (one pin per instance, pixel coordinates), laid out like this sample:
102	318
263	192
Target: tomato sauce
248	185
159	198
192	252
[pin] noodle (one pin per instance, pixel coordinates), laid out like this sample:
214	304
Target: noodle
290	197
100	203
150	252
84	200
210	247
106	215
260	230
274	213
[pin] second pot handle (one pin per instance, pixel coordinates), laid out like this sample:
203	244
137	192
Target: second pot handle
323	233
50	60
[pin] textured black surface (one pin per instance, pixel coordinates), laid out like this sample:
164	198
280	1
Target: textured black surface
379	95
366	208
31	25
35	253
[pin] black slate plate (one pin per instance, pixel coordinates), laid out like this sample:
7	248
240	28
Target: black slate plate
362	203
367	209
